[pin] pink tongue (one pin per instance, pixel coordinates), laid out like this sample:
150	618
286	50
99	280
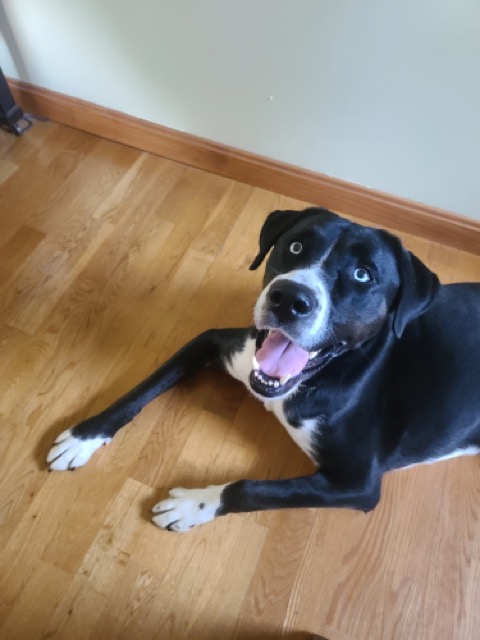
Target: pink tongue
279	357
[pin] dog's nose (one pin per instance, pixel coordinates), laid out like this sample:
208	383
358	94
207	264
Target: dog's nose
290	300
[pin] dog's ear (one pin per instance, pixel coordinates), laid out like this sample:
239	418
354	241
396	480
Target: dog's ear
418	288
278	223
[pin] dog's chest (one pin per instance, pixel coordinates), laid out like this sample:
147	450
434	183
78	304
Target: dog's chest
304	435
239	366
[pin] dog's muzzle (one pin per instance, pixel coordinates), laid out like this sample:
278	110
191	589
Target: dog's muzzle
290	316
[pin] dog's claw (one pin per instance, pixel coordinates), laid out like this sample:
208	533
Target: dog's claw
70	452
187	508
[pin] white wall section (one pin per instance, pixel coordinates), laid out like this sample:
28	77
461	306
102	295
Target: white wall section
380	93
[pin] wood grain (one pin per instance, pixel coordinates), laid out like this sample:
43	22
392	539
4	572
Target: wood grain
111	259
376	207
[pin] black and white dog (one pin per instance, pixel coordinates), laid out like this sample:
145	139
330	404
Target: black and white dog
369	363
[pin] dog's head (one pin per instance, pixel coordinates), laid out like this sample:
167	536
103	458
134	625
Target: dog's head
330	286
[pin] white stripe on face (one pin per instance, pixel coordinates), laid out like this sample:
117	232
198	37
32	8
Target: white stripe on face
311	329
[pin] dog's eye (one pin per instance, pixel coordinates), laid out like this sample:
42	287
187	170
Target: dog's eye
296	248
362	275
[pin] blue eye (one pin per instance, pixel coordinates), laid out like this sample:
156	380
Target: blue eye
296	248
362	275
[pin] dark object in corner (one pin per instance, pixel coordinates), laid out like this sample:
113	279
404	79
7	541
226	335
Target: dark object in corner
12	116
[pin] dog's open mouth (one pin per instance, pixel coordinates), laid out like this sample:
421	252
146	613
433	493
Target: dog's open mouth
279	364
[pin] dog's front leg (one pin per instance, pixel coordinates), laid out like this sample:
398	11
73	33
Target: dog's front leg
186	508
74	447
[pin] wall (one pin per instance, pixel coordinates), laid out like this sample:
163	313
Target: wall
380	93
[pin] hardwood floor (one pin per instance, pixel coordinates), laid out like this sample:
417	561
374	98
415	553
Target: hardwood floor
110	260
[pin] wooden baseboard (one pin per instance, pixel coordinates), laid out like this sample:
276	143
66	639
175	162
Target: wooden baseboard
378	208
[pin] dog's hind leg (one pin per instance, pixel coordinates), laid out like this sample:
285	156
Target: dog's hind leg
74	447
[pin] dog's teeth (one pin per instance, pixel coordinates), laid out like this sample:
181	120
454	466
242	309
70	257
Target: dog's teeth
285	379
255	364
276	384
313	354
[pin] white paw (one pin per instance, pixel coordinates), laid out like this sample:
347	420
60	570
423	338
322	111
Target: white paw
187	508
69	452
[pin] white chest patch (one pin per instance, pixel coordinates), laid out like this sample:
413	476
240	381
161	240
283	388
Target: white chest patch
240	368
303	435
240	365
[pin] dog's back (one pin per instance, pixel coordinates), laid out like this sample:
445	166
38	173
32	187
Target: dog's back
434	381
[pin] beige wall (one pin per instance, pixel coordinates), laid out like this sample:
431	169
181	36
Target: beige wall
382	93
